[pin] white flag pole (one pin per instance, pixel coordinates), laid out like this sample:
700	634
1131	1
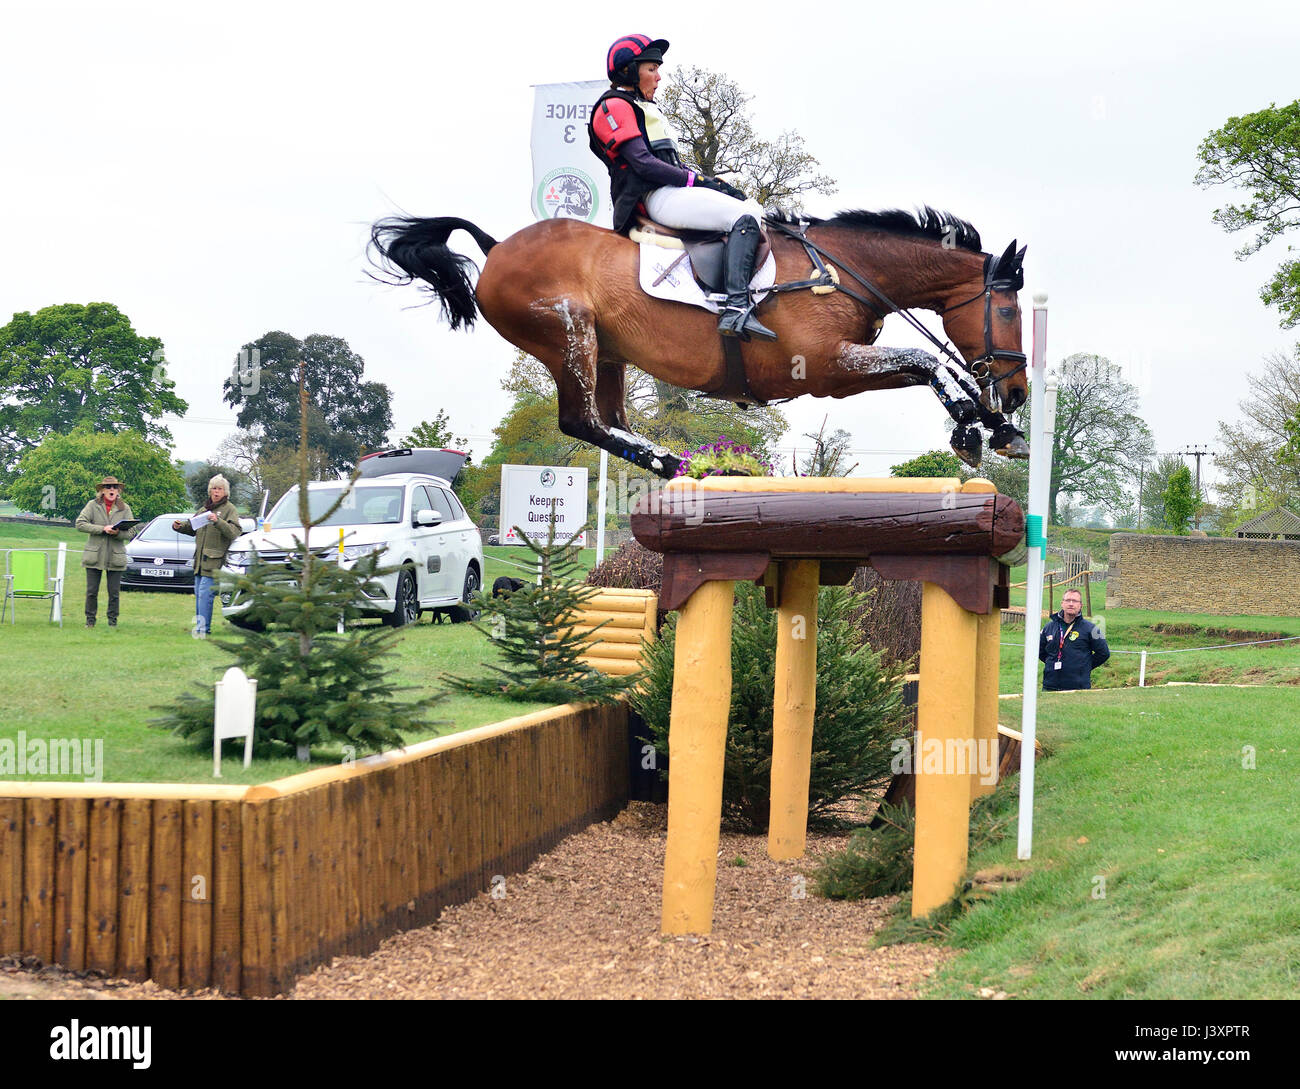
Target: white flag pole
1040	473
600	507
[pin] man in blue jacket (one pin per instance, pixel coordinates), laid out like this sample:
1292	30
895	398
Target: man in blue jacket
1070	647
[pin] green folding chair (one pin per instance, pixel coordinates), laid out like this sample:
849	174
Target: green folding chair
27	575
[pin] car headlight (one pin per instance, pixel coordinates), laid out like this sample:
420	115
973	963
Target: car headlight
239	559
355	552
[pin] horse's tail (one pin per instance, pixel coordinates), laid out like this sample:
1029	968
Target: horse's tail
411	249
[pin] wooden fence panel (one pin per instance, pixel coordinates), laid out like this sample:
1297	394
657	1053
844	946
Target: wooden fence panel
70	878
197	889
38	879
102	908
165	894
135	834
227	895
12	826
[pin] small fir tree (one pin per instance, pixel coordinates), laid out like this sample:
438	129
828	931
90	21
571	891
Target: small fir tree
533	627
314	687
858	717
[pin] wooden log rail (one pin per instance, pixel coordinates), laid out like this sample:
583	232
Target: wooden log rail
794	534
244	889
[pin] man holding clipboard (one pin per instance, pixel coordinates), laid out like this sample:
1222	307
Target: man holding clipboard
108	520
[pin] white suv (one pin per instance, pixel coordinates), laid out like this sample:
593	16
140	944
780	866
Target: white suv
413	515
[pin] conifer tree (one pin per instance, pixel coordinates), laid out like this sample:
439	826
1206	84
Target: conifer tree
533	627
314	687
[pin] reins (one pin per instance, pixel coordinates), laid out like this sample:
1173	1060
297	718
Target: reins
824	278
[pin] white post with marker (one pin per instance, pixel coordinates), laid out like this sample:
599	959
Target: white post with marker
1042	429
600	506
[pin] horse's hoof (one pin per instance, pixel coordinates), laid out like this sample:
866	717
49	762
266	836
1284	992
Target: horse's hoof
1010	446
664	465
966	445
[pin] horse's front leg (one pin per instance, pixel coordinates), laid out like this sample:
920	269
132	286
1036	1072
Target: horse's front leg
883	368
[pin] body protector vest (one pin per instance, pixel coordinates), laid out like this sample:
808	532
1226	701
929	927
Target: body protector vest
616	118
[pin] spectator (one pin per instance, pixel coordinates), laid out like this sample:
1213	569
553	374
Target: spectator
1070	647
211	543
105	551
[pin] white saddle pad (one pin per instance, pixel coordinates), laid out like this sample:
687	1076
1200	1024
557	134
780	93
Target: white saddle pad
676	281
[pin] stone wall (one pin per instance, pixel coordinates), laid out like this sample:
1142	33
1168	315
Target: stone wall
1226	576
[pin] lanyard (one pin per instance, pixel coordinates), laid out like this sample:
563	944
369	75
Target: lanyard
1061	649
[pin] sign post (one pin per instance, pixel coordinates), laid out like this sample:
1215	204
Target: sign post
527	495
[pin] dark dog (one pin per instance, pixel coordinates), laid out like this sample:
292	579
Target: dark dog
505	586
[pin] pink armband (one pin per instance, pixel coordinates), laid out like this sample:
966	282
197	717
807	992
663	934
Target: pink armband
690	178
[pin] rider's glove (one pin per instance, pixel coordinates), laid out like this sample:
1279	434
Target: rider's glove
719	185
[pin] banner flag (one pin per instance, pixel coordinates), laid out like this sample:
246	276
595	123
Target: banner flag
568	180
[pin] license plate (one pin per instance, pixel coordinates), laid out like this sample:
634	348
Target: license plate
160	572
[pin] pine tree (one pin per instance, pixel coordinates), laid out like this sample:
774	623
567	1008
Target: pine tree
532	626
314	687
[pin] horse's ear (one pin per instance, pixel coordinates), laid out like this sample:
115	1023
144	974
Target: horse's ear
1007	261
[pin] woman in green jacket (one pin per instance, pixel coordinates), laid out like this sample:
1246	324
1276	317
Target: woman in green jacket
211	543
105	551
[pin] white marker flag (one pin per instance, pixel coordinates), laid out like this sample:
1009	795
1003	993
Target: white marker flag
568	180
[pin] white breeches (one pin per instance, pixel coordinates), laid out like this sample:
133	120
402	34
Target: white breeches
690	208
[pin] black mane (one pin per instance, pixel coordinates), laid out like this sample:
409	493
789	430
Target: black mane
927	222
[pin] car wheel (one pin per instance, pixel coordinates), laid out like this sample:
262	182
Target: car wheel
407	610
462	613
241	621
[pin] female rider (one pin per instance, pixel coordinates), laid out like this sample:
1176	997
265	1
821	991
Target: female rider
630	135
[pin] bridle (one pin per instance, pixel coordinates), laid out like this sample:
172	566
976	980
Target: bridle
981	369
994	280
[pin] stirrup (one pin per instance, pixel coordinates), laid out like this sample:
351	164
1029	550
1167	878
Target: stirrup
739	321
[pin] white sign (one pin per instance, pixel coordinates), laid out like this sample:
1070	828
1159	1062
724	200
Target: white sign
532	494
568	180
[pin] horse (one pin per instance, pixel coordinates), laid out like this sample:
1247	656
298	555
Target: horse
567	292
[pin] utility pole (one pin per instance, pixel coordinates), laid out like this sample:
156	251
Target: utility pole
1197	453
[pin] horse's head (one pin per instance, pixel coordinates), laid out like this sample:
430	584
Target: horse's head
985	327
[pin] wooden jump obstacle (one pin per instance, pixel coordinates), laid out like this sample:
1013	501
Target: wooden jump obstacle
795	534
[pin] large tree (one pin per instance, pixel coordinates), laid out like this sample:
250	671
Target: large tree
345	416
69	365
1260	154
1180	500
435	434
711	115
58	477
1253	474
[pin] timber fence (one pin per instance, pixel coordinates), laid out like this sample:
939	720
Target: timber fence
245	889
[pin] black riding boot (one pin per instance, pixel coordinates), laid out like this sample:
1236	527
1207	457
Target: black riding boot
737	318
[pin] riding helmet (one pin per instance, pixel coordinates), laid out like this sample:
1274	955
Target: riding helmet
629	51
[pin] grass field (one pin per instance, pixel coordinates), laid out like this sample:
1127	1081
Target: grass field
106	684
1163	865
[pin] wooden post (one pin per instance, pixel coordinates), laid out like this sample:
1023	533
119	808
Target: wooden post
1051	594
697	740
1087	594
984	776
945	732
795	702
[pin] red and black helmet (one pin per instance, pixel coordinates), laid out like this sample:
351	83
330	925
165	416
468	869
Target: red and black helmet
629	51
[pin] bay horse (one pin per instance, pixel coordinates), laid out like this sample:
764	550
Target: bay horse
567	293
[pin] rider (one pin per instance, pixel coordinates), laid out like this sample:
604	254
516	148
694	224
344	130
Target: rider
630	135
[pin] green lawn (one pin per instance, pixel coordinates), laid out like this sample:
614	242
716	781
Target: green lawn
105	684
1162	868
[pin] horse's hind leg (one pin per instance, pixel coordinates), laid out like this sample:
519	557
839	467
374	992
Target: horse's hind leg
581	394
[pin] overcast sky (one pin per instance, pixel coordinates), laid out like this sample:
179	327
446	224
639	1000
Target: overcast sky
212	170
